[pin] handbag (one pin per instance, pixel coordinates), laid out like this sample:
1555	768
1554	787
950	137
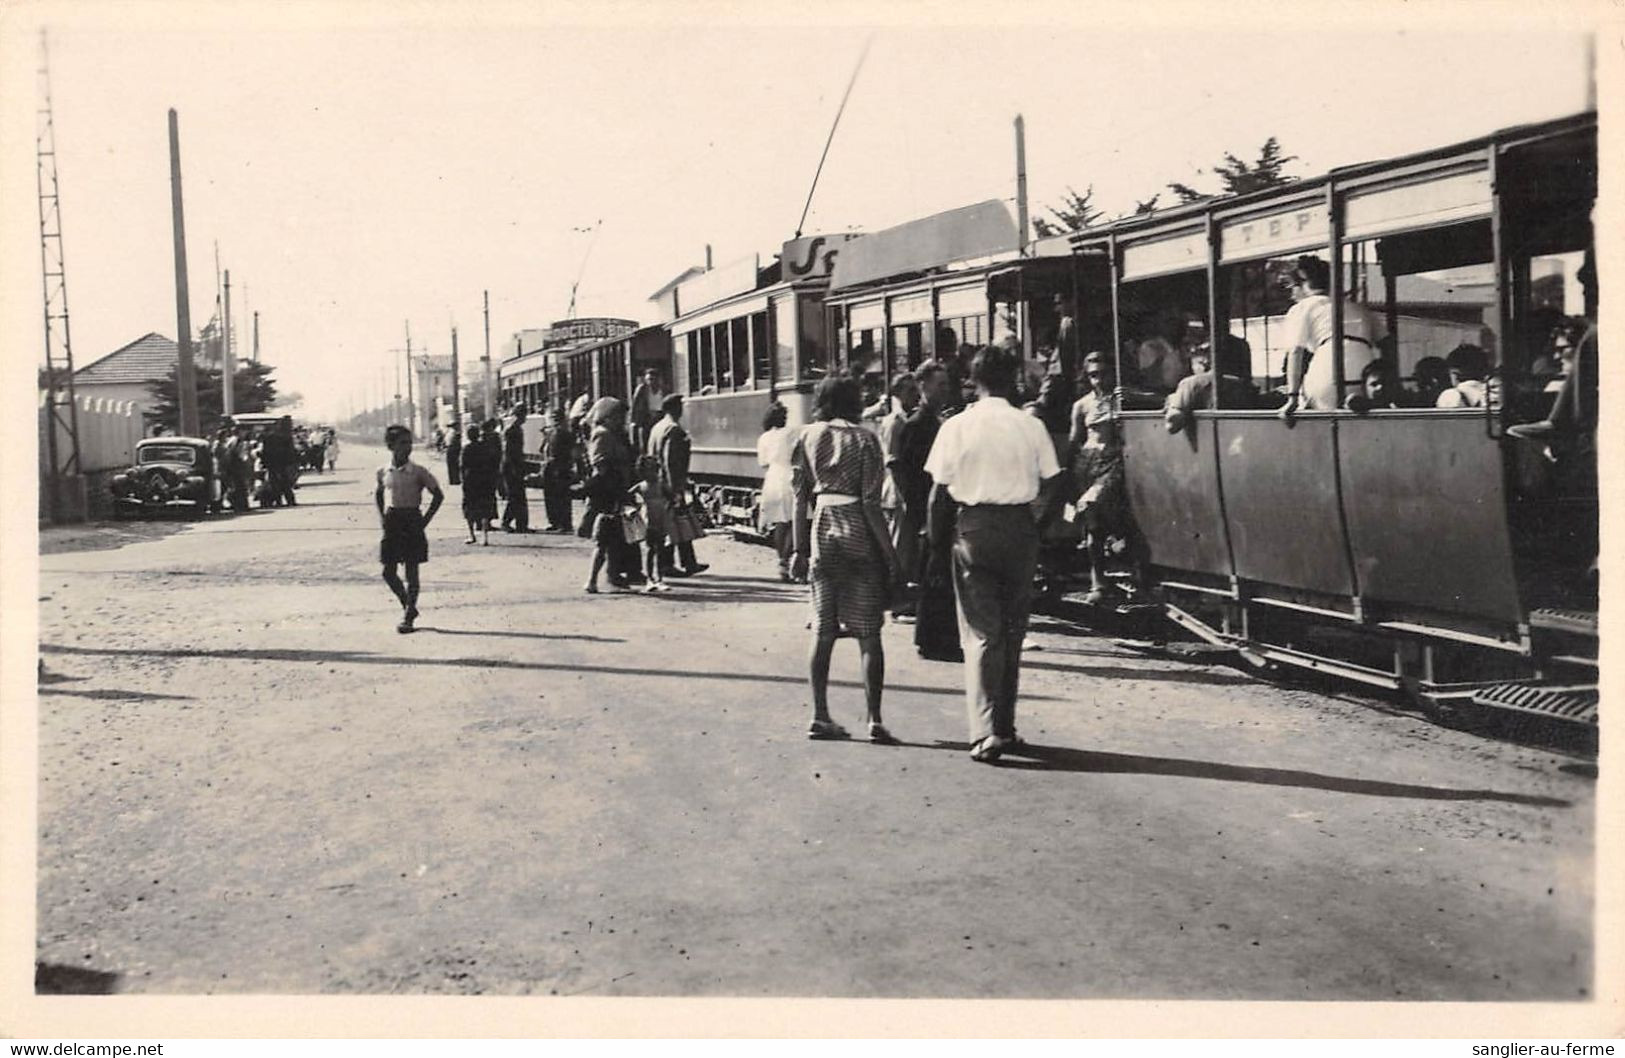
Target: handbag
685	527
634	526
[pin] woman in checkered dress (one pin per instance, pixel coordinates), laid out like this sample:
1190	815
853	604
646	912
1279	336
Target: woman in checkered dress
842	545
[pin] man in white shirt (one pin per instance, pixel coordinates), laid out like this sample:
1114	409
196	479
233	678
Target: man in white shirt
993	460
1311	377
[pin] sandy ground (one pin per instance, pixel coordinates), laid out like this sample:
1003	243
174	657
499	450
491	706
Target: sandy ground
250	783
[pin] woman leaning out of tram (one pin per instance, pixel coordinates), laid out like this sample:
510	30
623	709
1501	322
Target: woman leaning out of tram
837	469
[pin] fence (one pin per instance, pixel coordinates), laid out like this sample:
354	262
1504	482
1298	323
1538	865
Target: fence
108	431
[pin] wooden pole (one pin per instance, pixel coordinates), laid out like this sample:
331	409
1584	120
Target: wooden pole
456	413
1021	183
185	375
485	361
228	363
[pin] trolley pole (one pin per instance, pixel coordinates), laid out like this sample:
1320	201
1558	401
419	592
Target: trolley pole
1021	183
485	361
185	375
228	363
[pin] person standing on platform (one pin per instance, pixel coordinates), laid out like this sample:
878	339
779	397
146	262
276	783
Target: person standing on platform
993	461
516	516
669	443
905	391
646	403
558	473
936	630
777	511
454	453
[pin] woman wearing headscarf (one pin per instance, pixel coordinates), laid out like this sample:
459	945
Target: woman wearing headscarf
609	458
774	450
842	545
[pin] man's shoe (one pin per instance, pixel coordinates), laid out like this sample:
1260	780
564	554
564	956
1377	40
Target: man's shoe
697	568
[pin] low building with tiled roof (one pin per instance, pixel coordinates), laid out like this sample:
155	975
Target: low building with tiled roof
128	372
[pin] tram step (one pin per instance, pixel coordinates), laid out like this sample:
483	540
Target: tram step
1576	704
1582	622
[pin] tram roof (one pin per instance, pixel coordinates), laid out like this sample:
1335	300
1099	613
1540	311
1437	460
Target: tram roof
1505	137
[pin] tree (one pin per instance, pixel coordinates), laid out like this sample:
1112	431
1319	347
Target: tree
1238	177
253	390
1148	206
1185	193
1075	213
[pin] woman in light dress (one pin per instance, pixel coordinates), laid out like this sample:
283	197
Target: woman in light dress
778	504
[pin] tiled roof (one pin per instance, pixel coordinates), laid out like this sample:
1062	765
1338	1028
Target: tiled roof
147	359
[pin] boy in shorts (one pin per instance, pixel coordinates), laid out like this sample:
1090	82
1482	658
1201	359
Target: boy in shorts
399	495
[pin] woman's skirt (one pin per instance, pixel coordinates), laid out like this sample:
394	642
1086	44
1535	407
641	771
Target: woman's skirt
847	575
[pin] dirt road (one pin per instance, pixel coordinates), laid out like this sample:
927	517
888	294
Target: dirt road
250	783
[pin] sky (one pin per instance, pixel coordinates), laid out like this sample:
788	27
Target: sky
364	168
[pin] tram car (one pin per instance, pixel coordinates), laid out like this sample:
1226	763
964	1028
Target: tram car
1443	547
739	337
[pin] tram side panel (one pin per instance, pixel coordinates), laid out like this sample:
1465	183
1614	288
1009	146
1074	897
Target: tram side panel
1426	505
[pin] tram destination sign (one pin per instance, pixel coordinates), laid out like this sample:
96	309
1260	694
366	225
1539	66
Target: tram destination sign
588	329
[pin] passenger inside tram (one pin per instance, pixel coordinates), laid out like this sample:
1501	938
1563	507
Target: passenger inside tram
1468	366
1233	378
1430	377
1379	389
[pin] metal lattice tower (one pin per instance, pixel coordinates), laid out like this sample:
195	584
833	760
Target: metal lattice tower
62	433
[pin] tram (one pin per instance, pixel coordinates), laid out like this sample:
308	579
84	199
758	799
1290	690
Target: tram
1422	549
739	337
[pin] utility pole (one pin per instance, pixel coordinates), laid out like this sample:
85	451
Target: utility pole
485	361
256	336
62	407
1021	183
185	375
228	363
456	414
411	406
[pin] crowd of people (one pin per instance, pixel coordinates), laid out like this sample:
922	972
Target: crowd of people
933	499
262	465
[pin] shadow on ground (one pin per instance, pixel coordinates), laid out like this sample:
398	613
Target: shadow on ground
51	979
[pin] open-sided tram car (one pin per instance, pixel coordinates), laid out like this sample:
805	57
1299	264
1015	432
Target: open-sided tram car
1421	549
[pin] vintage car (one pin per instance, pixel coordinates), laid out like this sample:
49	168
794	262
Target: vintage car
168	472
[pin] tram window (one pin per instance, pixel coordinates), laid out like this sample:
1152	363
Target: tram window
1161	321
739	338
814	344
1426	294
761	351
1006	322
691	355
908	347
784	339
724	360
708	367
863	352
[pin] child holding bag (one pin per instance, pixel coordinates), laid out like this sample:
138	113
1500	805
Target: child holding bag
656	499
